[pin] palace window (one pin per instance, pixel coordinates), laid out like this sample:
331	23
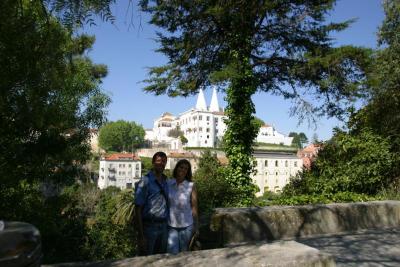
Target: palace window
286	163
295	163
276	163
266	163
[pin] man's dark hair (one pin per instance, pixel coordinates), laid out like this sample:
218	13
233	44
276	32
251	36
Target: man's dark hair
158	154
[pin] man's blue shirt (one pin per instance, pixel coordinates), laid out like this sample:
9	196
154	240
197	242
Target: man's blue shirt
148	195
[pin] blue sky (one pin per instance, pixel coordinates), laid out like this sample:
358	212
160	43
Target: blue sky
128	50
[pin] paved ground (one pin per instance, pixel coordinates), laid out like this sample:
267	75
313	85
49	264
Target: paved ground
368	248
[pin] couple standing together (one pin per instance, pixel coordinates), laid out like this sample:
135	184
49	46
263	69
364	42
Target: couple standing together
166	213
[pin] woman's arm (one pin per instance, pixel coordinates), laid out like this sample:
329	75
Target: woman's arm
195	210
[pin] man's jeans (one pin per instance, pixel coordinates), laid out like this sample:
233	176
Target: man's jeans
156	234
179	238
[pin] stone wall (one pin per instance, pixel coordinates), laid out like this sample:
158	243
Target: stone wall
241	225
279	254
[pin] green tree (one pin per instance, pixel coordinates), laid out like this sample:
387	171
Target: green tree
110	234
213	188
176	132
299	139
50	96
121	135
278	47
366	158
359	163
382	112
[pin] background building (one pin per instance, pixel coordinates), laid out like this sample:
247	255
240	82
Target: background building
268	134
309	154
121	170
204	126
274	169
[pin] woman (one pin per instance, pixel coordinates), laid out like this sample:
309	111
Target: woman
183	212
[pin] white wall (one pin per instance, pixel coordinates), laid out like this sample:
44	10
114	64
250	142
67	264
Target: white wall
274	170
121	174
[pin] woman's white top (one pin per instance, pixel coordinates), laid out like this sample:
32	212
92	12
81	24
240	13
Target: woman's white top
180	208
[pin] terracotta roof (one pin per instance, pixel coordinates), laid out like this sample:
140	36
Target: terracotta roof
266	126
311	148
218	113
122	156
166	119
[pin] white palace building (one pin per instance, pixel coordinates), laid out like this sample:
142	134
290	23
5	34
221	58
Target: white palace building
204	126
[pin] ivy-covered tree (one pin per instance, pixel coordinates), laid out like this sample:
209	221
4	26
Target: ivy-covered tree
279	47
121	135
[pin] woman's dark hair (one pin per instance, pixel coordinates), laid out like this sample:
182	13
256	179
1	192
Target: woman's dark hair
189	172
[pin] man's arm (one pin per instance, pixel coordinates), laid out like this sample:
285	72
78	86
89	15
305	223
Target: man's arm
195	210
140	200
139	228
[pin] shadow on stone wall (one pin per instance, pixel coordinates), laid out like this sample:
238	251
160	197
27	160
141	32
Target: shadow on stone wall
241	225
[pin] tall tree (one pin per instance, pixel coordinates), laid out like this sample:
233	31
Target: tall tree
382	113
50	95
280	47
121	135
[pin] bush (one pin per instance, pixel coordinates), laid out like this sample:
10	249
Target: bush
213	189
304	199
359	163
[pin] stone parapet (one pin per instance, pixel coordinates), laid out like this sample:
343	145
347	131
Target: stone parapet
243	225
279	254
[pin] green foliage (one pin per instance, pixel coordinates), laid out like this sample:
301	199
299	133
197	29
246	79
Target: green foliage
121	136
183	139
50	96
362	163
76	13
213	188
177	132
239	136
250	46
292	47
348	163
304	199
258	123
146	164
381	114
299	139
110	235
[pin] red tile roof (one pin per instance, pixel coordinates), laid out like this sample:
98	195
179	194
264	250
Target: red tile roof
122	156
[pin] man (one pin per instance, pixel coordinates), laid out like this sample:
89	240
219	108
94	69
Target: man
151	208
